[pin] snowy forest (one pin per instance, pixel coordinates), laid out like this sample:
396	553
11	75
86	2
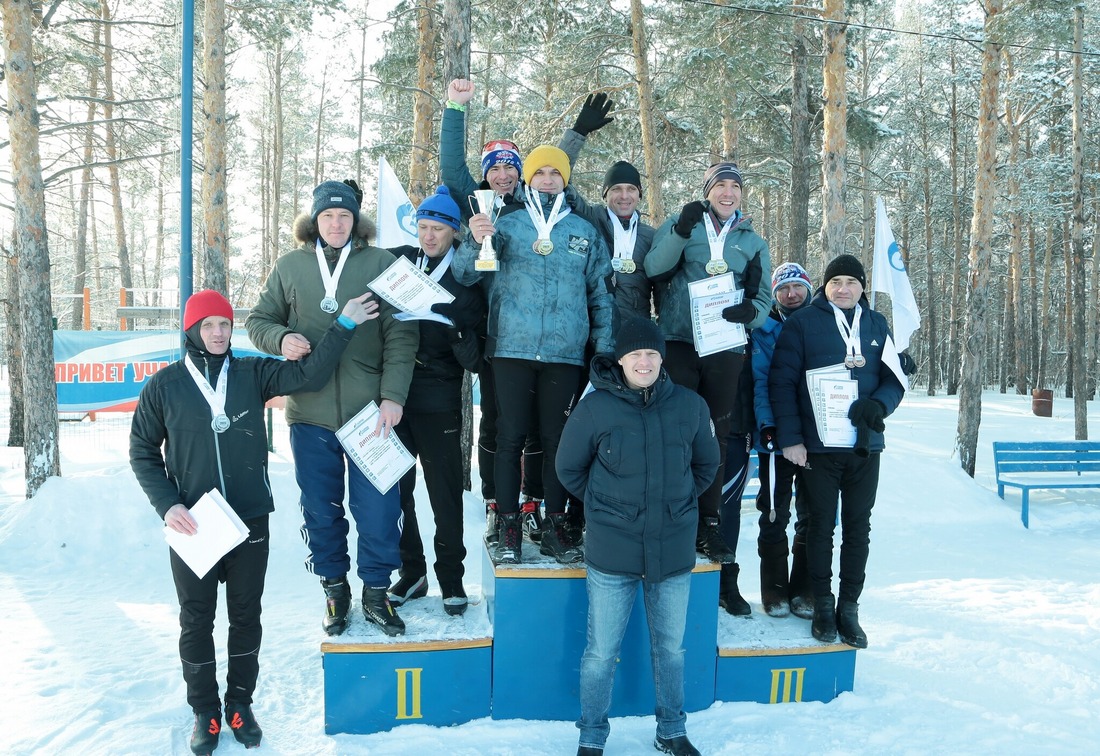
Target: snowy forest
969	118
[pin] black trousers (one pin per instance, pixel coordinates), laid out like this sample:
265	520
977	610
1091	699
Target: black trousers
854	480
242	570
487	444
788	477
736	473
715	378
526	389
435	438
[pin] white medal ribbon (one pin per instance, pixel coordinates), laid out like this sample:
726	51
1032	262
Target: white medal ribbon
717	240
543	225
331	280
436	274
625	238
850	334
215	398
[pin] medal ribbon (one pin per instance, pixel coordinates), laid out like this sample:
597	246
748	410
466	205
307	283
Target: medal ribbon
534	209
717	240
625	238
850	333
215	398
439	270
331	280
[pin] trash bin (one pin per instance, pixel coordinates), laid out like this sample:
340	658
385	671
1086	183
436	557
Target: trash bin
1042	402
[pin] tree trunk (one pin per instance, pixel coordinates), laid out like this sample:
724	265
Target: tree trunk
975	328
421	177
13	345
801	155
647	108
834	145
956	237
214	200
80	245
318	164
276	60
40	454
125	274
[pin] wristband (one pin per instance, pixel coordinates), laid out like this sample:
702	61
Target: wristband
451	104
346	322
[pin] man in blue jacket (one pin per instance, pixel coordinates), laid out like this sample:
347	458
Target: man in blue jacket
837	330
638	450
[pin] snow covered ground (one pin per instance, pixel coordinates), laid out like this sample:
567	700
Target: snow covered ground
984	636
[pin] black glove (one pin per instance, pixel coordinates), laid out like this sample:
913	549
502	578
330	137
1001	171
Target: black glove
691	214
750	280
451	310
739	313
868	413
908	364
767	437
355	190
594	114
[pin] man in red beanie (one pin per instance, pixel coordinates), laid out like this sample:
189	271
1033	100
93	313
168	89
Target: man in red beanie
179	451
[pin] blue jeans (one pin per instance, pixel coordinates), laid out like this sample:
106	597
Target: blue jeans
610	601
319	465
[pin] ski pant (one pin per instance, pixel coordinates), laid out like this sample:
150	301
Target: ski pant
715	378
242	570
854	480
319	468
788	477
736	473
526	388
435	438
487	444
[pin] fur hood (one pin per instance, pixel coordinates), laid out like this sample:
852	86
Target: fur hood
305	230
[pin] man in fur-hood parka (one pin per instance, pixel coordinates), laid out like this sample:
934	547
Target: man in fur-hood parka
300	299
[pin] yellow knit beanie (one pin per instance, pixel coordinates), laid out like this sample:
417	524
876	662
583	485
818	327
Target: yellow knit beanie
546	155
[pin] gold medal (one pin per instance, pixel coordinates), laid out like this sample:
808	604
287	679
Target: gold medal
622	265
717	267
543	247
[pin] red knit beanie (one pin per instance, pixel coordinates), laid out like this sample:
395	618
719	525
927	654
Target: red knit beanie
203	304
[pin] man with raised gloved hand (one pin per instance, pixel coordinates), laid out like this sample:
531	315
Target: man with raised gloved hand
710	238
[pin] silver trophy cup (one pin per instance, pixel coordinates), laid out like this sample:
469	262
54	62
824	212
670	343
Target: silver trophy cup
487	257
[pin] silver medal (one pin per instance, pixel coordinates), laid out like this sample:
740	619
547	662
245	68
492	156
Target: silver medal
859	360
849	362
329	305
543	246
717	267
220	424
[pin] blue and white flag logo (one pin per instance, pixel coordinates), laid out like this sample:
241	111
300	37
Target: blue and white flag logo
396	214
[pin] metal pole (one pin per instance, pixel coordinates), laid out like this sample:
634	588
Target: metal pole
187	57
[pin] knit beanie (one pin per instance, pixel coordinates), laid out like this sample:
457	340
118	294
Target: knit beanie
546	155
719	172
334	194
622	172
845	265
500	151
638	333
791	272
440	207
204	304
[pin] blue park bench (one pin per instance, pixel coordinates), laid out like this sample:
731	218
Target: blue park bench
1028	465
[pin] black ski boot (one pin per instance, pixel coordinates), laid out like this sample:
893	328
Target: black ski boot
531	510
574	522
492	527
509	549
555	541
773	579
337	604
204	738
454	596
800	593
824	622
242	722
729	597
709	542
847	624
407	588
377	609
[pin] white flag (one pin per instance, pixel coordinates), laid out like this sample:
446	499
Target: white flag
889	277
396	214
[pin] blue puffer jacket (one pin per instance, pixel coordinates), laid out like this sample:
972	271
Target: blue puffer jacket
544	308
810	340
681	261
638	458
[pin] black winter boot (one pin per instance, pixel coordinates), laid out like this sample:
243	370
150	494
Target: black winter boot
204	738
531	509
709	542
801	595
337	604
824	623
589	751
678	746
555	541
242	722
847	624
509	547
377	609
729	598
773	579
492	527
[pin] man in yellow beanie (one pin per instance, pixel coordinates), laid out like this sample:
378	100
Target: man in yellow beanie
548	300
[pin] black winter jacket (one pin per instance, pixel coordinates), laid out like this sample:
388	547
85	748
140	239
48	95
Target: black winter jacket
172	411
810	340
639	460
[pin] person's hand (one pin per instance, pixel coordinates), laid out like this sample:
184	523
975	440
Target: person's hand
795	454
456	314
739	313
460	91
179	519
360	310
690	215
480	227
869	413
594	114
295	346
908	364
355	190
389	415
767	437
